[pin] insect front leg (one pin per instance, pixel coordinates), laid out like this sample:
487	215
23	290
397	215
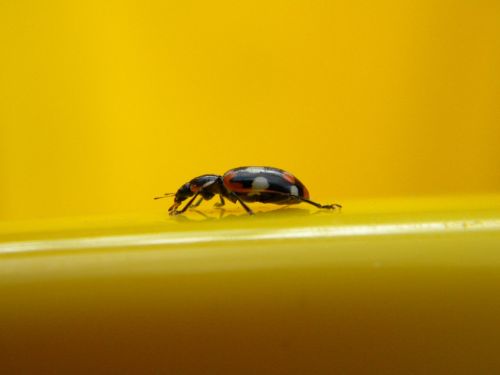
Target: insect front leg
175	212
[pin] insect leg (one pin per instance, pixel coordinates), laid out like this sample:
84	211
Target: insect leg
196	204
221	203
328	206
247	209
186	206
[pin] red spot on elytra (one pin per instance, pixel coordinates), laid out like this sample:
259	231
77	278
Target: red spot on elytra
233	186
289	177
305	192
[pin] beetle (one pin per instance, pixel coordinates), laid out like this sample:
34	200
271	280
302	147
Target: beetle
244	184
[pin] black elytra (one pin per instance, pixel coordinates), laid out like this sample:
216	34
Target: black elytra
244	184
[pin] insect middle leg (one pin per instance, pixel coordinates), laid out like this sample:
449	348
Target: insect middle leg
221	203
218	204
196	204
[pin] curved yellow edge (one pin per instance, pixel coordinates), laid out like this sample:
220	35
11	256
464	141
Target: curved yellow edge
384	286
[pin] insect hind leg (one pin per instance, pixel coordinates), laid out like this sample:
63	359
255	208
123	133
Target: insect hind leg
332	206
247	209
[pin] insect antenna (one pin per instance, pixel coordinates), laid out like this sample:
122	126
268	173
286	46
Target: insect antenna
166	195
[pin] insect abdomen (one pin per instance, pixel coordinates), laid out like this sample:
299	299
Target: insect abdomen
265	184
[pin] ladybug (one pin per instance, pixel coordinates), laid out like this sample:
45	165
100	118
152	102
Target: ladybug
244	184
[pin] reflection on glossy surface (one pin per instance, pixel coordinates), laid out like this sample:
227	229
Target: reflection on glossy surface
282	224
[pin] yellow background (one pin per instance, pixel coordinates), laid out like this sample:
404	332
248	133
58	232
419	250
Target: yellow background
106	104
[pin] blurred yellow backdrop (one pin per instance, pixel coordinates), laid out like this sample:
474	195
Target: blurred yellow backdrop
105	104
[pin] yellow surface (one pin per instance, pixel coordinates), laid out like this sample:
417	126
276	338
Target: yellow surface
104	105
392	286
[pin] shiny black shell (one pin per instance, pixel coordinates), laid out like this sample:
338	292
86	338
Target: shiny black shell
265	184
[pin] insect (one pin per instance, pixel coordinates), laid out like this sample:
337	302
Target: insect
244	184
